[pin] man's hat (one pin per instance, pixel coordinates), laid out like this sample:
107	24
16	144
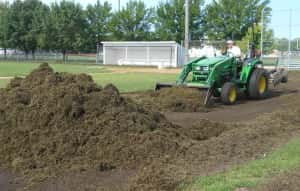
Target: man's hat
229	42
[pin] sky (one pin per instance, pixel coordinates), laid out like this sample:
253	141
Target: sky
282	11
280	14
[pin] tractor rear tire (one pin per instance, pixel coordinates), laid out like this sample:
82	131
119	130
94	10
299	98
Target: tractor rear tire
258	86
229	93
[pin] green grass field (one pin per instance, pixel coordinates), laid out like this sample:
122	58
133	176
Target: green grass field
21	69
126	82
131	82
254	173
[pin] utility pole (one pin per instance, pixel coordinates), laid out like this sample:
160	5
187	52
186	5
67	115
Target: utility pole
290	37
186	45
97	51
290	29
119	5
262	33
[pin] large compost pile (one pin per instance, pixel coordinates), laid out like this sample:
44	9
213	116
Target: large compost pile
55	121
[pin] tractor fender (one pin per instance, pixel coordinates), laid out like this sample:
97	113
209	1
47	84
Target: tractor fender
255	66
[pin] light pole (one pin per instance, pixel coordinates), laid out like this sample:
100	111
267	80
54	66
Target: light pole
262	33
290	29
290	37
97	50
186	45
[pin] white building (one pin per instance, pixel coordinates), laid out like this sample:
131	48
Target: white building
207	50
163	54
9	51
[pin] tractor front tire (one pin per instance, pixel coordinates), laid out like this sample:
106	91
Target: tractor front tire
258	85
229	93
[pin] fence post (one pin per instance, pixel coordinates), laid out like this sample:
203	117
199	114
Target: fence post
148	55
187	30
97	53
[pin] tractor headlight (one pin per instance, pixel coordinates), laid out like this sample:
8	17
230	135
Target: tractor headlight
201	68
205	68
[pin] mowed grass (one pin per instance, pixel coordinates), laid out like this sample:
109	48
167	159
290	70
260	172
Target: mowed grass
256	172
131	82
4	82
126	82
12	69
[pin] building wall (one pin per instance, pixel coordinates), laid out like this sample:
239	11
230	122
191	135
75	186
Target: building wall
160	54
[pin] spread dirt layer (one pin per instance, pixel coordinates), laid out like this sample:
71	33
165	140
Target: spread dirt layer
287	182
56	124
176	99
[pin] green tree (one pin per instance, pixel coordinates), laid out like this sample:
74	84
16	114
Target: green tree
170	20
253	35
295	44
27	25
67	27
4	34
282	44
231	19
99	20
134	22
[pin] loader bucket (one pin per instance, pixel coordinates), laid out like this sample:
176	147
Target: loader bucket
159	86
207	92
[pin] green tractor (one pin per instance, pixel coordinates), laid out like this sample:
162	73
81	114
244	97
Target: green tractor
225	77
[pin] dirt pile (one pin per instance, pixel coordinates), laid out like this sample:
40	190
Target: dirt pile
176	99
52	122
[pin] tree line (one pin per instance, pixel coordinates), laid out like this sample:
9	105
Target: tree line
31	25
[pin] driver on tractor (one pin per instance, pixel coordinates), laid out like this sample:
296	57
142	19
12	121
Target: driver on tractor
233	50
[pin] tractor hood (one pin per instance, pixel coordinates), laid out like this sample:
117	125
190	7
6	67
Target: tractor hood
210	62
201	69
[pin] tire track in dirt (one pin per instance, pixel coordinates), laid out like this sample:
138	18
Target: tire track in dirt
244	110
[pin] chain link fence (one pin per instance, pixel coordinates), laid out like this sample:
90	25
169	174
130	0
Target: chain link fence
43	56
285	47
